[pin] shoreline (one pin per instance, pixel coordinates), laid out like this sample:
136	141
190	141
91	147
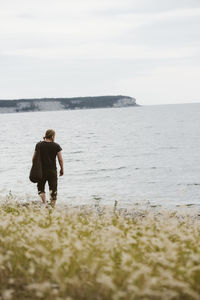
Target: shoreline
131	210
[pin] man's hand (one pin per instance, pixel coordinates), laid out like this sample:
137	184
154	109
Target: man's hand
61	172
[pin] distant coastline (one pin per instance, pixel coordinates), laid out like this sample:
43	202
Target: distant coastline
53	104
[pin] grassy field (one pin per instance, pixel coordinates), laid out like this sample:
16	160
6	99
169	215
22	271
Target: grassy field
97	253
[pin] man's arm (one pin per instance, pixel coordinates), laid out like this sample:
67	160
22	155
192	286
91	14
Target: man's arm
34	154
60	160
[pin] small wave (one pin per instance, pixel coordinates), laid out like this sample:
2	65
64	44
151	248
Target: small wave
94	171
168	148
152	168
76	152
186	205
111	169
147	154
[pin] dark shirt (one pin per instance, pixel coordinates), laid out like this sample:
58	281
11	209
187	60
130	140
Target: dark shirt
48	152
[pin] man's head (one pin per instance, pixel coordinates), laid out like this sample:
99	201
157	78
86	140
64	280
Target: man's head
50	134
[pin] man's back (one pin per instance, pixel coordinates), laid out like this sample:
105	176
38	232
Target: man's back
48	152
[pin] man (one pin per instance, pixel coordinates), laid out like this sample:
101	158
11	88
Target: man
49	150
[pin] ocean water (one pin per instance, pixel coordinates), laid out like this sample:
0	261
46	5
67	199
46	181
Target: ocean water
130	155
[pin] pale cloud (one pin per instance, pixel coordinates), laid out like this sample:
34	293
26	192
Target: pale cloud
166	84
107	32
111	51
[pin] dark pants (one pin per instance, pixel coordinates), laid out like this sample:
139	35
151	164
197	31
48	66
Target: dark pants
51	177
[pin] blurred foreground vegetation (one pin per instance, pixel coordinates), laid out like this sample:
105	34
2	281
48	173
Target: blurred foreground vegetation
89	253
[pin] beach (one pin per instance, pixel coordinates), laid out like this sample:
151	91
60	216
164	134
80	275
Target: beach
100	150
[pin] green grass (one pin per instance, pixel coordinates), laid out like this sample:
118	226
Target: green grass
77	253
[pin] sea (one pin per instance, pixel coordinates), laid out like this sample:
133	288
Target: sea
133	155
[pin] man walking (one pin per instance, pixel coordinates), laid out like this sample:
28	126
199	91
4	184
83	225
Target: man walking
49	150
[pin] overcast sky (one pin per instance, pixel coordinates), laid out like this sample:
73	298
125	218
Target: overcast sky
147	49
